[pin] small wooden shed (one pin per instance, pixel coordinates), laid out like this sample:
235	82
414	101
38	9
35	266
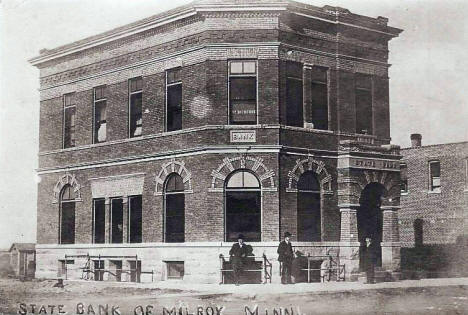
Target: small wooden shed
23	259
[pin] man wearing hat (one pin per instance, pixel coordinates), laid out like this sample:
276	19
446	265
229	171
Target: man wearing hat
237	254
286	257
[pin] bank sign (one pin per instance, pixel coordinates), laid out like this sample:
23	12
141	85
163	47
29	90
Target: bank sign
243	136
366	163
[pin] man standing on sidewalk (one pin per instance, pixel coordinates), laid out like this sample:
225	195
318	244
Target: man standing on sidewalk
369	260
237	255
286	257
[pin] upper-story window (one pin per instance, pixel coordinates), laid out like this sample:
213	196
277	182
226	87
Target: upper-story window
434	180
135	96
294	95
243	92
100	120
363	101
69	115
403	178
319	93
173	100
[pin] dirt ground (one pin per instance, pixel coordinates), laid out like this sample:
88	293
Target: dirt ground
40	297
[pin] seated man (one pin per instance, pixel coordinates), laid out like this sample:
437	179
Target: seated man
237	255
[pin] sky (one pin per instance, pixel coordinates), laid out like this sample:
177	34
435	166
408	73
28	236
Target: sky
428	78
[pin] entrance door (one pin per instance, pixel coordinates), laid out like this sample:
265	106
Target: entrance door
370	220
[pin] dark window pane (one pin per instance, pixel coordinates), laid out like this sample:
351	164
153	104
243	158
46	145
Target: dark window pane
175	269
363	111
319	74
136	84
243	215
69	127
308	217
363	81
319	106
404	178
418	226
174	107
100	122
67	224
435	175
175	218
135	222
243	89
135	115
173	76
99	221
174	183
309	182
117	221
67	193
294	105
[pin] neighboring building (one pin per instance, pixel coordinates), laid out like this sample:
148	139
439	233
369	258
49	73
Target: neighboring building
434	203
162	140
23	259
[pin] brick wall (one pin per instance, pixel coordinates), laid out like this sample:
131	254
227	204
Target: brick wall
442	213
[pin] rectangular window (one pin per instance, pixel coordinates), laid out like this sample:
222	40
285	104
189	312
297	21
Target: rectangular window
116	221
173	100
175	269
67	226
100	115
135	87
363	101
319	91
243	92
294	95
403	178
69	113
434	169
99	221
135	215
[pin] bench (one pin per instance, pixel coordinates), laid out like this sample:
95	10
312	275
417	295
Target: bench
253	264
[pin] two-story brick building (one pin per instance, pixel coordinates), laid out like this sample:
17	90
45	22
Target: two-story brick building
166	138
434	207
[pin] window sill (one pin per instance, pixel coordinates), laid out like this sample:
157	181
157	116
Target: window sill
433	191
404	193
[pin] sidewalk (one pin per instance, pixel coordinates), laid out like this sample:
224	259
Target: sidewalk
251	290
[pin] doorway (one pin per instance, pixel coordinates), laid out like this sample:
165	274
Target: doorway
370	220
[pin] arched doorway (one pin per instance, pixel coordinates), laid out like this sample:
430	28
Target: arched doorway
308	208
174	215
242	206
370	219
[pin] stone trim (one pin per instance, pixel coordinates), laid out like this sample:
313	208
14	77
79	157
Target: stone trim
67	179
310	164
254	164
117	186
168	168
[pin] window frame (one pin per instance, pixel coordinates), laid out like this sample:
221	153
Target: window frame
66	201
130	94
169	85
432	188
165	194
326	83
97	101
406	191
242	189
369	89
64	118
129	220
94	220
241	75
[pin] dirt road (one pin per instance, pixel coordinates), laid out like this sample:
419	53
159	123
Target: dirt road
40	297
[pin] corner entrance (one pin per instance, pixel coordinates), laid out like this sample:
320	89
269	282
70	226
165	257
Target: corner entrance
370	220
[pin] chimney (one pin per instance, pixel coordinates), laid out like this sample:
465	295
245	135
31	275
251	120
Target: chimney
416	140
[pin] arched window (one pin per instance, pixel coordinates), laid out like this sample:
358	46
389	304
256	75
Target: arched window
243	207
308	208
67	216
174	218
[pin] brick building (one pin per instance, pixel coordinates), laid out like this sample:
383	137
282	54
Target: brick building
434	204
163	139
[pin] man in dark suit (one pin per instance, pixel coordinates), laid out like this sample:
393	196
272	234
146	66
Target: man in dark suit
286	257
369	259
237	255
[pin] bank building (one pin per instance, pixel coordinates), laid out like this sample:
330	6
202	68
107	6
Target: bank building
162	140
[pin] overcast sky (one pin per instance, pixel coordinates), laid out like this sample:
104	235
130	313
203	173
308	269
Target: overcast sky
428	78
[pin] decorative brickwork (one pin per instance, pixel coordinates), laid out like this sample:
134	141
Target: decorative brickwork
310	164
67	179
173	166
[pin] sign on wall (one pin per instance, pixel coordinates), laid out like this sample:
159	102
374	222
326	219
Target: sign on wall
243	136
